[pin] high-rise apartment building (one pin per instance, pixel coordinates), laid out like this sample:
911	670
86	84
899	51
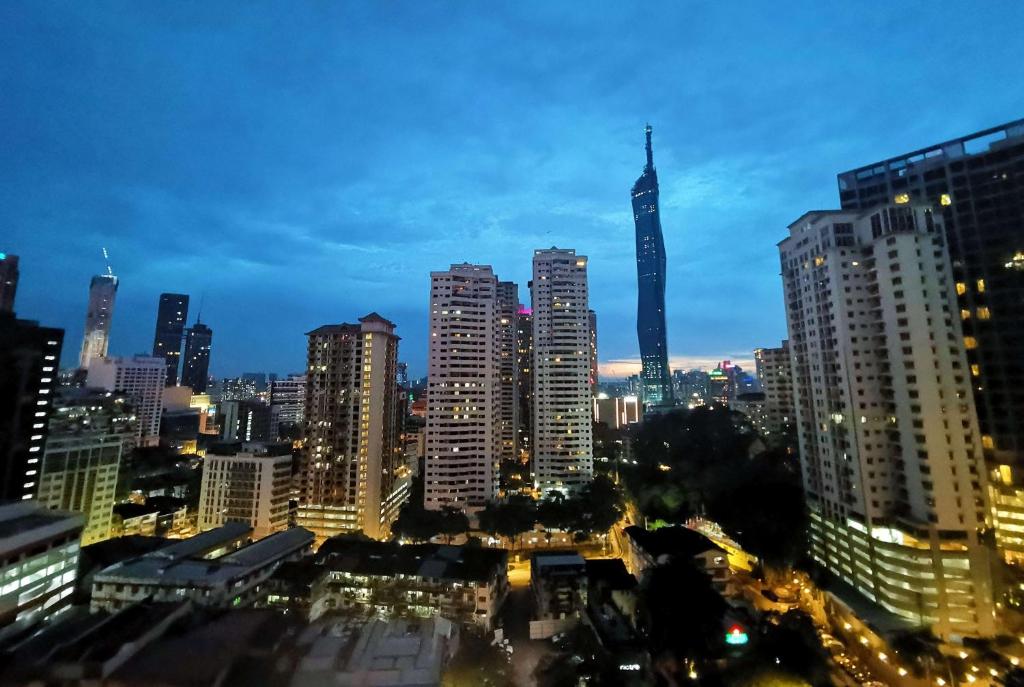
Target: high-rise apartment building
248	483
29	362
98	316
8	282
354	477
592	319
977	184
650	271
171	315
776	379
141	378
287	402
463	432
889	442
195	371
38	564
250	420
563	445
88	434
524	381
508	305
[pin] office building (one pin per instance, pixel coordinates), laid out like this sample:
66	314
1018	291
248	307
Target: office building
248	483
463	389
98	316
287	403
524	382
245	421
563	438
558	583
592	318
354	476
617	411
141	378
977	184
171	314
889	443
29	360
89	433
38	564
195	372
691	388
207	569
720	384
650	272
508	306
776	380
8	282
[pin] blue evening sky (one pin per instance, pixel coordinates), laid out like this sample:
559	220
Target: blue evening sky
301	163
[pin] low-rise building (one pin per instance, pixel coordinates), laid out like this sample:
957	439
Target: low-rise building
644	549
38	564
462	583
208	569
558	580
248	482
618	411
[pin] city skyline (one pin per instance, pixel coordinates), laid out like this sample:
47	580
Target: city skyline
737	161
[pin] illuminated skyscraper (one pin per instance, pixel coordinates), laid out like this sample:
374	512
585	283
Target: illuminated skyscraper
508	305
170	327
102	292
592	319
650	271
354	476
563	445
463	433
8	281
892	466
195	372
977	184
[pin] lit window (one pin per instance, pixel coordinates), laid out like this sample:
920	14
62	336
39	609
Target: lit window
975	370
902	198
981	286
965	314
983	313
970	342
986	441
961	288
945	199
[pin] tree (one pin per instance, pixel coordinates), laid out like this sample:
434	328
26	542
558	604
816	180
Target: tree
681	616
452	523
477	663
517	515
789	643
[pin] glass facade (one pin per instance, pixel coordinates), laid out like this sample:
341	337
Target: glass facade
170	327
196	370
650	272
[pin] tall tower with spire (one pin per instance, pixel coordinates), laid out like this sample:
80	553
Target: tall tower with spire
650	271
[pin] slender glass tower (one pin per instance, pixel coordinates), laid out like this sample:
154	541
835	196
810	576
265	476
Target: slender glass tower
650	273
170	329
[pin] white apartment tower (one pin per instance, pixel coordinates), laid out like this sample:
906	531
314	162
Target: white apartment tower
889	443
141	378
251	485
562	431
776	379
464	382
354	476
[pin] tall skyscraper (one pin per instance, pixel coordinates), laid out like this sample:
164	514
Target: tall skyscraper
88	434
142	379
977	183
171	315
889	442
563	444
650	275
102	292
287	402
29	361
354	477
196	370
8	282
508	305
524	381
776	379
463	432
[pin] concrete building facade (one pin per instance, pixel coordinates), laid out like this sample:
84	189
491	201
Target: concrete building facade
248	483
141	378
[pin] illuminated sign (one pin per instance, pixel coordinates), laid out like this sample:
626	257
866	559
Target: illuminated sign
736	636
629	666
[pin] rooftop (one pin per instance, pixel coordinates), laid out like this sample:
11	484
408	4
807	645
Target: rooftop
671	541
438	561
21	517
610	572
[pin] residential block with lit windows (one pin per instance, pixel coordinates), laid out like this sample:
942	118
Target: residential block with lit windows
353	473
889	442
246	482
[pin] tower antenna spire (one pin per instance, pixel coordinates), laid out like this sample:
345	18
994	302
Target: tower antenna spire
650	152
